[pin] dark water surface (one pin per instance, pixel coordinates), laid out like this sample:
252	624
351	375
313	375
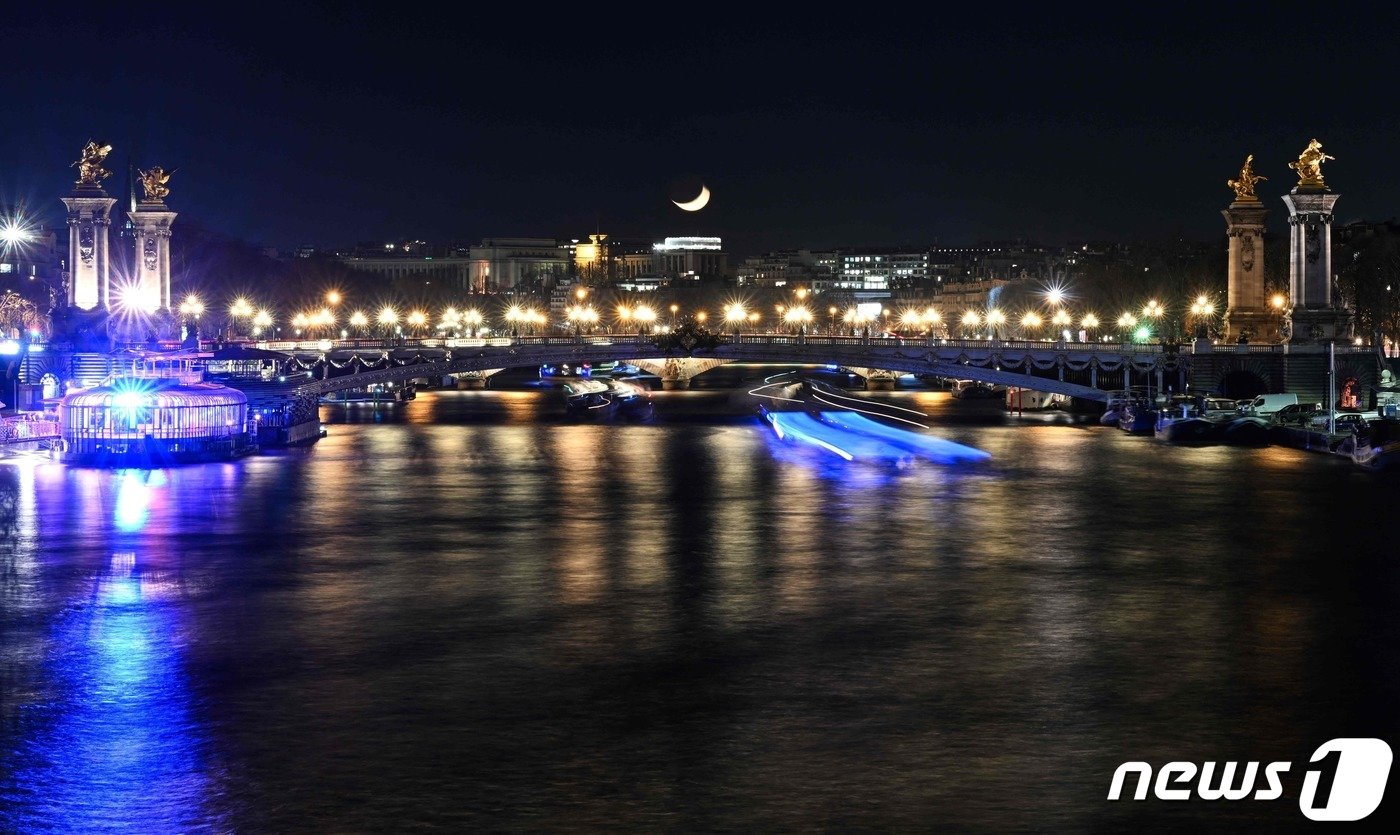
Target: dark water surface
463	612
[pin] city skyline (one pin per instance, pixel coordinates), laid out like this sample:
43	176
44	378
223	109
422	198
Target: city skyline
397	128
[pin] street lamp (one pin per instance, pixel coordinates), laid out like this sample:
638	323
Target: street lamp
473	318
799	317
388	319
1030	322
193	307
1201	311
262	320
359	321
644	316
970	320
995	318
332	297
1126	323
735	315
932	318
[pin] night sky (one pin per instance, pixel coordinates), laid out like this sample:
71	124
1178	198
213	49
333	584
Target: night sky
313	125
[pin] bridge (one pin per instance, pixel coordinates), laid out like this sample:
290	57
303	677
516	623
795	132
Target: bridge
1083	370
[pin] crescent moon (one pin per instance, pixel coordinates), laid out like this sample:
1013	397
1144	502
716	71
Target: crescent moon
698	203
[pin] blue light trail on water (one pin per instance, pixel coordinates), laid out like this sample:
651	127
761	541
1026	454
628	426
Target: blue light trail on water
854	437
939	449
113	743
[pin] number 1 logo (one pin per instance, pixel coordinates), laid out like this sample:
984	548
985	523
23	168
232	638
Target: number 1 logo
1348	781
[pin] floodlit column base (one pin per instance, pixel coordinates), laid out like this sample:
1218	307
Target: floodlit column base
1319	325
1254	325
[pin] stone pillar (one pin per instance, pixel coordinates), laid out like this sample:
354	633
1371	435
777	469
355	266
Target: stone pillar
1314	317
88	223
1248	310
152	222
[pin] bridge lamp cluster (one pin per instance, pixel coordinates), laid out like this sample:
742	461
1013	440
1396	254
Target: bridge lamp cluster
1202	306
358	319
799	316
1127	321
735	313
1031	320
1153	310
644	314
192	306
417	319
240	309
582	316
1089	322
1062	318
388	317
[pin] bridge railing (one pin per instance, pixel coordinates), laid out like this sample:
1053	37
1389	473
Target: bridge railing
324	345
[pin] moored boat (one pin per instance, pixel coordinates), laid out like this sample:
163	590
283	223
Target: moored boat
1376	447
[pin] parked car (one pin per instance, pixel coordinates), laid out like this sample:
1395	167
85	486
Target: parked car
1345	421
1295	414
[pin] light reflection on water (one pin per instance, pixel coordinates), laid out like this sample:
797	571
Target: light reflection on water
496	617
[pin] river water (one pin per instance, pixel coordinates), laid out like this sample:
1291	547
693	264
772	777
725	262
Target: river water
464	612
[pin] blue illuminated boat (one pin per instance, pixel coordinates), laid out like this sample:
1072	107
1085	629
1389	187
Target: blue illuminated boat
856	429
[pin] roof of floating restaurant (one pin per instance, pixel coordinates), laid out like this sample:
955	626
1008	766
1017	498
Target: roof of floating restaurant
158	392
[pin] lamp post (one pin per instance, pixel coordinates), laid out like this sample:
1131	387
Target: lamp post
1029	323
473	319
644	316
995	319
388	319
1089	323
193	308
262	320
735	316
970	321
240	309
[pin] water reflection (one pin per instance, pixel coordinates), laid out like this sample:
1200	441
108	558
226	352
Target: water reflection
112	741
509	621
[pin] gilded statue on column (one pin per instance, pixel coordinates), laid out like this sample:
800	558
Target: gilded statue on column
1244	185
1309	165
153	182
90	170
